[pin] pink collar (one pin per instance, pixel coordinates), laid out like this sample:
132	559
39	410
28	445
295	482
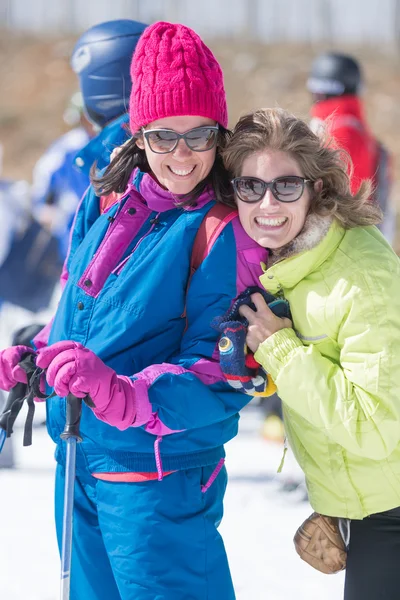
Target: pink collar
158	198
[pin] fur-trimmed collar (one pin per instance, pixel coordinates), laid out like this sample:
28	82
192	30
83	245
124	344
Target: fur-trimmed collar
315	229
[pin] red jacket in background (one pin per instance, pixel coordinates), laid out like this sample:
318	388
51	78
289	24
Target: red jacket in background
348	126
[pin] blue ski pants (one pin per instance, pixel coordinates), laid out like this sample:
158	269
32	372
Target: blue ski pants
154	540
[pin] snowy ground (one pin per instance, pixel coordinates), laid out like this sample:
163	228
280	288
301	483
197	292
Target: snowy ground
258	526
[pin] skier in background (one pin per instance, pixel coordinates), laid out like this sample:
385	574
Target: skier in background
101	60
336	84
57	183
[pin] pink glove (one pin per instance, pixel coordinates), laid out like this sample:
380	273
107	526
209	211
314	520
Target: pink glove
72	368
10	371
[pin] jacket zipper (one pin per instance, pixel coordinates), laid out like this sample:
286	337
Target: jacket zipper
117	270
112	225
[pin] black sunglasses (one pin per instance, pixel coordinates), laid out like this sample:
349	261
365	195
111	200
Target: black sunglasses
287	188
199	139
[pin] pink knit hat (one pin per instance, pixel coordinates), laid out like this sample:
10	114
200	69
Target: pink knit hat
173	74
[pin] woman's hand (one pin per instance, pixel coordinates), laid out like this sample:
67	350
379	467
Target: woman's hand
72	368
115	399
262	322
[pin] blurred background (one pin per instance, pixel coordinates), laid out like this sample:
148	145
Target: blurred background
266	48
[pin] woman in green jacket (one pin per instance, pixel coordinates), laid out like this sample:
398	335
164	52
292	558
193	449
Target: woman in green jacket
337	363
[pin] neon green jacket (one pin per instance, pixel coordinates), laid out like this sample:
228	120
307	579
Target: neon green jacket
338	371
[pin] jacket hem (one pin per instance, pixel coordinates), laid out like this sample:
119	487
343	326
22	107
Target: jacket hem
125	462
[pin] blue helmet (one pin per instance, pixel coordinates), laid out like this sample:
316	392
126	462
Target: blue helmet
101	59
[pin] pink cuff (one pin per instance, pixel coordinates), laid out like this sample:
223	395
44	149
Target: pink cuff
143	406
128	406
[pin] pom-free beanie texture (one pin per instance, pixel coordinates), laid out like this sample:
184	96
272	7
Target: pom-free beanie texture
174	73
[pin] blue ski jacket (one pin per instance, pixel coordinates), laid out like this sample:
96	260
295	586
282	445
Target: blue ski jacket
99	148
124	298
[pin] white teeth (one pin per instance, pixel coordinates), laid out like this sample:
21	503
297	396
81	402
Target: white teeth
271	222
181	172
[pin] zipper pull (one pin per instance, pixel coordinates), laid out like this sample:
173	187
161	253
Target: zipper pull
285	449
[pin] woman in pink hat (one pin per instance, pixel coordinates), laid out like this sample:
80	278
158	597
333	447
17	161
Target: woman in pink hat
133	333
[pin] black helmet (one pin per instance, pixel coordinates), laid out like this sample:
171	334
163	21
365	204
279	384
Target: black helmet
335	74
101	59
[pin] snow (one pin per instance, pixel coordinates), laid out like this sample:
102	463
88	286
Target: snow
258	525
260	522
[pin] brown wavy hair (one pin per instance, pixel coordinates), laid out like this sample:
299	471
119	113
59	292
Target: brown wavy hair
116	176
317	156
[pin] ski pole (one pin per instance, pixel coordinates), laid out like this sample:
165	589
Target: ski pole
14	403
71	436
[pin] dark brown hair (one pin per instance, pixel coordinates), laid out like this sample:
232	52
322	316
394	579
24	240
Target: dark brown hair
317	156
117	174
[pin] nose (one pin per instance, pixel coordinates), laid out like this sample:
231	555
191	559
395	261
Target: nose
269	200
182	151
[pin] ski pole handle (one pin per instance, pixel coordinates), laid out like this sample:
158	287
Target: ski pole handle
17	392
73	417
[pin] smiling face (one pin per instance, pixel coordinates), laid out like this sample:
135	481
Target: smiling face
181	170
271	223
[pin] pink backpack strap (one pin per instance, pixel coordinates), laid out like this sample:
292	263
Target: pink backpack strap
107	202
210	228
